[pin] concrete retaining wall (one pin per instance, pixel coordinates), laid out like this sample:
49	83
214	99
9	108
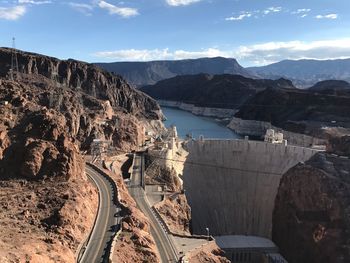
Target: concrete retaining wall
231	185
258	128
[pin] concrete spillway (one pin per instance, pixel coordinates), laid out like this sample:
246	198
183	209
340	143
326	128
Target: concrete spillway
231	185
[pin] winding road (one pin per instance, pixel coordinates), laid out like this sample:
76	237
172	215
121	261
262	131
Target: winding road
96	248
163	240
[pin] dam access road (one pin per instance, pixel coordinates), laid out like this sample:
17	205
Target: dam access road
163	241
96	249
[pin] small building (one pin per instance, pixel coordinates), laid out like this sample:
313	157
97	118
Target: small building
273	137
160	144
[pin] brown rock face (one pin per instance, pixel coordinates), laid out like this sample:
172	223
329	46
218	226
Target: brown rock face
157	173
176	212
311	216
86	77
45	197
210	253
56	109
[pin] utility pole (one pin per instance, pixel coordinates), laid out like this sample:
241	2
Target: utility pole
14	61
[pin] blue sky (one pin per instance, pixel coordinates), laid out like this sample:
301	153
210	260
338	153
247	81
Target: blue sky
256	32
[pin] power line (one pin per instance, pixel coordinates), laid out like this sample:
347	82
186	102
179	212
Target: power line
205	164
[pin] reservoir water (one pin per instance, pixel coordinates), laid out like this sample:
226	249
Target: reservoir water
188	123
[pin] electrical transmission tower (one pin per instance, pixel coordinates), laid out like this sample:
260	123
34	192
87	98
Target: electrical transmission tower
14	62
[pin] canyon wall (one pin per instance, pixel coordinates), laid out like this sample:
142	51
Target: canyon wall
231	185
85	77
311	216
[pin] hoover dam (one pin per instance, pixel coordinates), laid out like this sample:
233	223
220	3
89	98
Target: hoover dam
231	185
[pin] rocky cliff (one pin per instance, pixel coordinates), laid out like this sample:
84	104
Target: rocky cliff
215	91
47	204
332	87
299	111
81	76
311	215
148	73
51	113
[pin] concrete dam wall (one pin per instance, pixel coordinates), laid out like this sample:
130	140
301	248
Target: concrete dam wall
231	185
258	128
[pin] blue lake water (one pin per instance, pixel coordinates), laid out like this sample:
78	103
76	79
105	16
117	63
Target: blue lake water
187	123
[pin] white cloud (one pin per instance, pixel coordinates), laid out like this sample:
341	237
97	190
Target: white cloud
329	16
181	2
134	54
210	52
158	54
276	51
259	54
115	10
239	17
255	13
86	9
272	9
301	11
12	13
33	2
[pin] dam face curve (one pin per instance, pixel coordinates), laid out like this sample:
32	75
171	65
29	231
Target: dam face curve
231	185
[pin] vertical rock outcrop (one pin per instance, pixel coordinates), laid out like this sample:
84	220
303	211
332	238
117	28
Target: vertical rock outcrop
311	219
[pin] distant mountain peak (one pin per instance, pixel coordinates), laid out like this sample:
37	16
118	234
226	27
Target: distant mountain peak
305	72
148	73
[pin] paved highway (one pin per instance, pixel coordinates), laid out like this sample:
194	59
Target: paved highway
97	247
163	241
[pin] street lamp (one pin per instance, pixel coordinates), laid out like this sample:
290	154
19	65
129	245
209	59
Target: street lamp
207	228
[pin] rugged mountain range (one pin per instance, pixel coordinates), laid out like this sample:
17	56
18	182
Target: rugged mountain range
216	91
305	73
148	73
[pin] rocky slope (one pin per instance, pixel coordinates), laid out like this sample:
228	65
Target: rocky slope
148	73
48	116
176	212
80	76
311	216
306	72
209	253
332	87
299	111
216	91
47	204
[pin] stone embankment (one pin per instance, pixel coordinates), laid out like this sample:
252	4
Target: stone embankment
201	111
